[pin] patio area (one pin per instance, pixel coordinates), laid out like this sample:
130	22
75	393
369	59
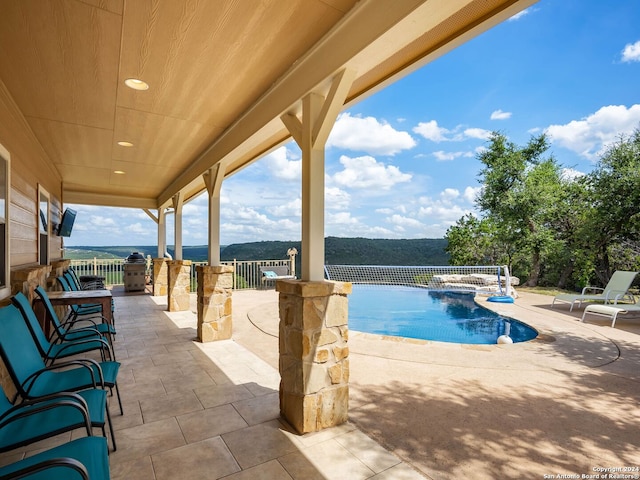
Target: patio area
564	404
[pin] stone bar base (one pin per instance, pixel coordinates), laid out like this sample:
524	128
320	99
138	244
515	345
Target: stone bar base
215	286
179	275
160	277
314	355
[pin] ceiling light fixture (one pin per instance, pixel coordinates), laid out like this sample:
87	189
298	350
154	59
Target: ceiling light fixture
136	84
119	172
125	144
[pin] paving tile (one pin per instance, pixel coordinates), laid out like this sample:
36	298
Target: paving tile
180	357
328	459
259	409
267	471
367	451
188	379
254	445
143	389
210	422
170	405
402	471
147	439
221	394
138	469
204	460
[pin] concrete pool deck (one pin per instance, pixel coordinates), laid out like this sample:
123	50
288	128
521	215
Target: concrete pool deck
563	404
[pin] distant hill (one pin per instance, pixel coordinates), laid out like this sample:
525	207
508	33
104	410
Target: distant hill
338	251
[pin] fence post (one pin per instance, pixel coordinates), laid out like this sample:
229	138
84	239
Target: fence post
235	273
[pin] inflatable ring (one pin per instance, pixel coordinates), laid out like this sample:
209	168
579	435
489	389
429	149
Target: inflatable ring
500	299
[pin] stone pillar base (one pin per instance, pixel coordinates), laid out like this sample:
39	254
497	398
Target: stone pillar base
160	277
314	355
215	287
179	285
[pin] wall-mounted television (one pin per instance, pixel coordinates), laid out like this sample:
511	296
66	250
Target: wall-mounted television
66	224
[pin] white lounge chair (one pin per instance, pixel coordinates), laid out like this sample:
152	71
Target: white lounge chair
615	291
611	311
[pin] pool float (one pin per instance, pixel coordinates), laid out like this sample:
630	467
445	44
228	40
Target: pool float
500	299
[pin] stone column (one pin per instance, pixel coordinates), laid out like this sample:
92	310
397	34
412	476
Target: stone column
314	355
215	287
160	277
179	288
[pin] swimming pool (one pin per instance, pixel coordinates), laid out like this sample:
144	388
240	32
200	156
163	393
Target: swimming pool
428	315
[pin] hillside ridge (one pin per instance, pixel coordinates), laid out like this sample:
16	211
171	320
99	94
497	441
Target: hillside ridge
338	251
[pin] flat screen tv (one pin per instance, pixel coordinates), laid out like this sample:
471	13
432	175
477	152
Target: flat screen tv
66	224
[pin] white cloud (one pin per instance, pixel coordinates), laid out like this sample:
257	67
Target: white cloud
384	211
336	198
290	209
500	115
404	222
520	14
340	218
449	194
431	131
631	52
368	135
479	133
281	167
443	156
366	172
571	174
590	135
470	193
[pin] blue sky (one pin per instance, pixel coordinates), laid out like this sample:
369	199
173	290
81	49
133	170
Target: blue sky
402	163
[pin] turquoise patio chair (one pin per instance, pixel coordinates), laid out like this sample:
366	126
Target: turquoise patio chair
70	330
106	371
34	420
86	310
54	351
85	458
30	374
87	282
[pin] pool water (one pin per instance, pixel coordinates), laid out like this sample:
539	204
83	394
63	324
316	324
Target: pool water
428	315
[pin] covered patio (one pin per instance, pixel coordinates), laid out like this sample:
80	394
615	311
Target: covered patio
563	404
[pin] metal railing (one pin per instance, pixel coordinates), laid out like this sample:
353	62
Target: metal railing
247	274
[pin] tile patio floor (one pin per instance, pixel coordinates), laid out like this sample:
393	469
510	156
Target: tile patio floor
208	411
564	404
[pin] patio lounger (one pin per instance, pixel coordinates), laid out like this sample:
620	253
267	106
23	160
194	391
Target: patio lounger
271	274
33	378
63	348
69	329
611	311
615	291
85	458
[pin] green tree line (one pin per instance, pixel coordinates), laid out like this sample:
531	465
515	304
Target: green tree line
551	228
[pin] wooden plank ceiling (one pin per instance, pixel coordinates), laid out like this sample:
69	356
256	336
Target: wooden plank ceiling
221	73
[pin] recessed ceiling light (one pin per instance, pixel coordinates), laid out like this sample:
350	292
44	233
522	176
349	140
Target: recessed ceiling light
119	172
125	144
136	84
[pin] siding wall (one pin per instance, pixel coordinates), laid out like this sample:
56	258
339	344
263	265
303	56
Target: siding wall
30	167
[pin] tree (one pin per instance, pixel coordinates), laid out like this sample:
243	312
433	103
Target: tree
520	193
613	219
